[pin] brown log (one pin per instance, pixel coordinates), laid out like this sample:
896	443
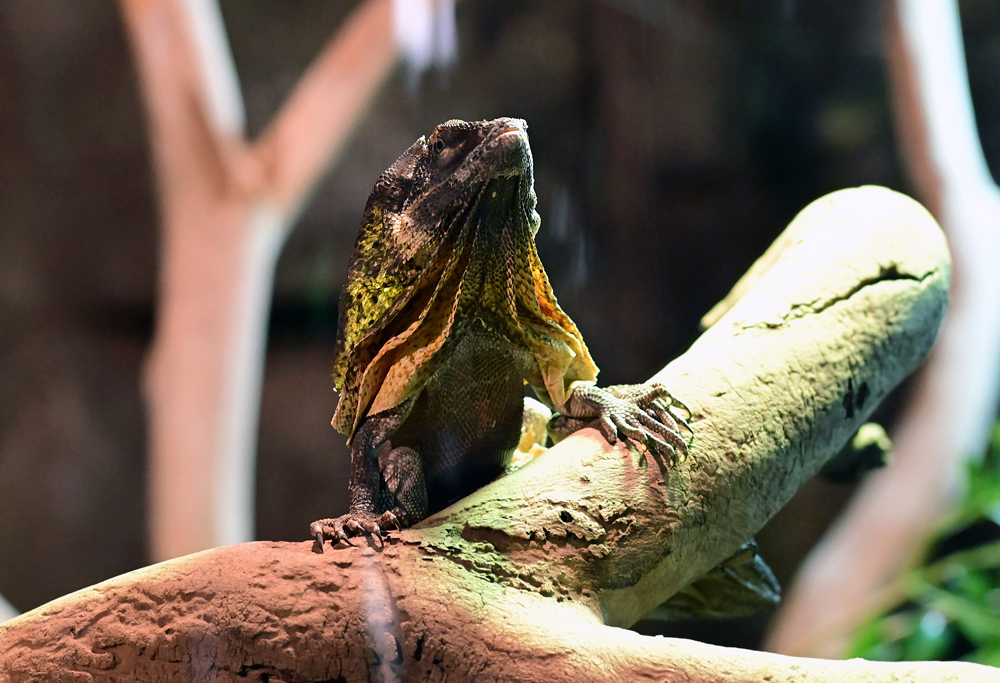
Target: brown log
280	612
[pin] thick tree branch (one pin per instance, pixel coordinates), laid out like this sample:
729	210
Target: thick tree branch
521	580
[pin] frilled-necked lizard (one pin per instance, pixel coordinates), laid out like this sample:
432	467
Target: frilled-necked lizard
446	315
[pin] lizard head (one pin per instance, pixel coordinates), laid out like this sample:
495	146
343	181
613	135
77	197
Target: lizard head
445	173
448	236
421	204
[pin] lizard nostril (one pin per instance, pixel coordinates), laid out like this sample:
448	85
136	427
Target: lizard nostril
565	516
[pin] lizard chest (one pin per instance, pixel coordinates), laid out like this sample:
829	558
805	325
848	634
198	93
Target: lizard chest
467	420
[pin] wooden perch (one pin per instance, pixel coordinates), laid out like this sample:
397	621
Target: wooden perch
525	579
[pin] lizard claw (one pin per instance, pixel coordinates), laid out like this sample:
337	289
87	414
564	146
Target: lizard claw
666	415
389	519
353	524
643	413
318	528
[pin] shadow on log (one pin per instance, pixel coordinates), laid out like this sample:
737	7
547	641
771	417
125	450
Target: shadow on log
525	579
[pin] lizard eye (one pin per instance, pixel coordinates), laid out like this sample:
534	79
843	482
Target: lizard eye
438	146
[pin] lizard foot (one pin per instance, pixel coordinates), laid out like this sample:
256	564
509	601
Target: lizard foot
353	524
645	413
658	403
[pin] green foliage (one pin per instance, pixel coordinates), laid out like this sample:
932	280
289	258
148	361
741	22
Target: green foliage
950	606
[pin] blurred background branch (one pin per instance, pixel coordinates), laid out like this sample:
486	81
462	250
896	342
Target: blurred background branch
854	571
227	207
7	610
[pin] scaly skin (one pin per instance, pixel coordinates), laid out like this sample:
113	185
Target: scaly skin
446	313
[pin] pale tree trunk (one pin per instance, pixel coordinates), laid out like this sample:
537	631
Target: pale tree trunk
227	206
526	578
854	570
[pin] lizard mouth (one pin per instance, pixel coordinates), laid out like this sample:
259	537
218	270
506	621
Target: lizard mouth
512	143
512	134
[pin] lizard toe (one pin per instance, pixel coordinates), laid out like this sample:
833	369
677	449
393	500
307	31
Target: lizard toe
354	524
630	427
388	520
320	529
608	428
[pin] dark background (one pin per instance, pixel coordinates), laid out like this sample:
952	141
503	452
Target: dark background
673	140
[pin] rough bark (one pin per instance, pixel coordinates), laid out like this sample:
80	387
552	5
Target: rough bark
526	578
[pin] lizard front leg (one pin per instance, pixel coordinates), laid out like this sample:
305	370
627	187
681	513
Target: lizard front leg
386	492
644	413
